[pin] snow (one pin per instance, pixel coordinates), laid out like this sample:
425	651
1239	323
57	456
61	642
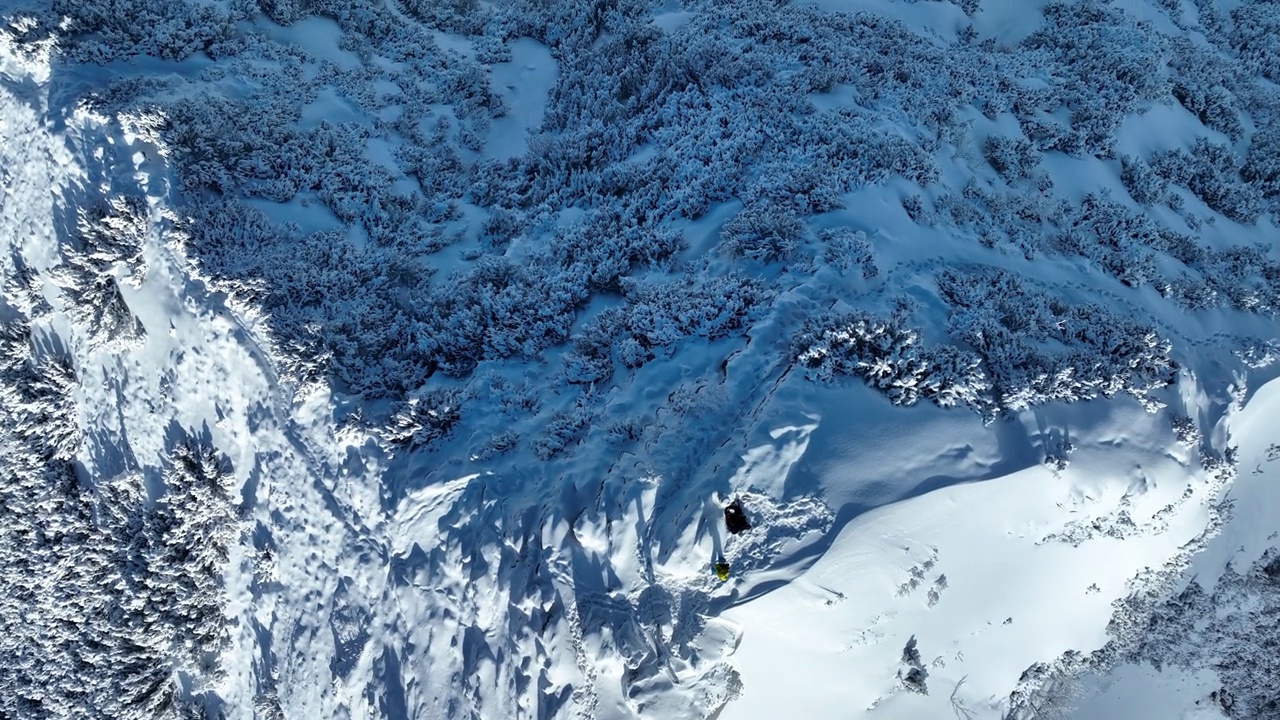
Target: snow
199	368
933	17
1172	690
328	106
1010	595
544	549
307	216
455	43
1008	21
321	37
1160	128
1256	493
525	82
669	21
1134	691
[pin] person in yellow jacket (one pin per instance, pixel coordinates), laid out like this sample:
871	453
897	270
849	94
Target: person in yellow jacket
721	568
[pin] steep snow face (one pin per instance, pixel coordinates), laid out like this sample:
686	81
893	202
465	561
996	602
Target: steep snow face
373	360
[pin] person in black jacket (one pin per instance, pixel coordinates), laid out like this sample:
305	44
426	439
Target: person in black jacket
735	518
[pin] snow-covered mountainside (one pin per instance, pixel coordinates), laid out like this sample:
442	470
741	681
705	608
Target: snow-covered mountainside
397	359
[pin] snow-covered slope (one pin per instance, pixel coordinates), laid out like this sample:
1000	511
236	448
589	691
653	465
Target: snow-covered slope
1208	649
373	359
981	579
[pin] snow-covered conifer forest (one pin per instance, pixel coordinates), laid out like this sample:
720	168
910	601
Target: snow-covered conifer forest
397	358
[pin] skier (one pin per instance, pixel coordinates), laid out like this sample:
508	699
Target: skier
735	518
721	568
